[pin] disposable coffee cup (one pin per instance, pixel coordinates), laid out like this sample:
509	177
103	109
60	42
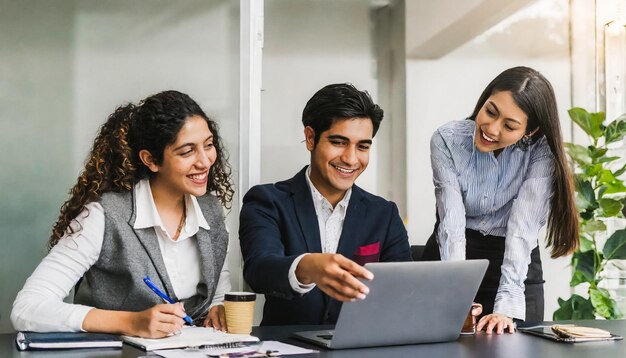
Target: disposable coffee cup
239	307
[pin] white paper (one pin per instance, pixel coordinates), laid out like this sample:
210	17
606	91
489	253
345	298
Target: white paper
190	337
282	348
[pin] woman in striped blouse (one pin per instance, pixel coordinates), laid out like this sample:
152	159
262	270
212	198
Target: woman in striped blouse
499	177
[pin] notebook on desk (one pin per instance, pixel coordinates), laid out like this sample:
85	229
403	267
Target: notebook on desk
408	303
190	337
65	340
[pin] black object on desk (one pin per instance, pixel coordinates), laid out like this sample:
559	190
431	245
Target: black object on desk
549	332
65	340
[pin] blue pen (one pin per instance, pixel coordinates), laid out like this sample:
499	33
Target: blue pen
164	296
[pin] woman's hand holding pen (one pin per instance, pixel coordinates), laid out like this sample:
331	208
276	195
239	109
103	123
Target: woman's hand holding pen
158	321
216	318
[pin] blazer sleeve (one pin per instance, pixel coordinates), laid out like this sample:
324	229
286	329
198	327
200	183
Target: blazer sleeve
396	246
266	267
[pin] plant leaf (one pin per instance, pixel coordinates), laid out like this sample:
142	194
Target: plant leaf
616	130
603	303
587	214
586	197
583	263
610	207
591	123
607	159
594	225
596	152
578	278
613	185
606	177
575	308
585	244
592	170
621	171
578	153
615	246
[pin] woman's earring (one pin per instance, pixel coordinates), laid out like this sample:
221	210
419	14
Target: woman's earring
525	142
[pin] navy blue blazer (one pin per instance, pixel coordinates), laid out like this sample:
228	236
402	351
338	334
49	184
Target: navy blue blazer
278	223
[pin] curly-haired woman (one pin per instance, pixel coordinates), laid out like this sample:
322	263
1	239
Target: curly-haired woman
140	208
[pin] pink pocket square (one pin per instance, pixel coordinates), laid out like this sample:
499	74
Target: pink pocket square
367	253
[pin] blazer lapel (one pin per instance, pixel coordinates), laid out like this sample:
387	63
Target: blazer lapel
150	243
205	246
305	211
351	234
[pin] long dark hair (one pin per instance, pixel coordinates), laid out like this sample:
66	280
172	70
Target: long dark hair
534	95
113	164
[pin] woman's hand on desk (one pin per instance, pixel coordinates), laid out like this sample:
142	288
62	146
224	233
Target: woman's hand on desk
216	318
496	321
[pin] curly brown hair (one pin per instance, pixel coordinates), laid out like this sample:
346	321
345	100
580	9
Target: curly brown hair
113	164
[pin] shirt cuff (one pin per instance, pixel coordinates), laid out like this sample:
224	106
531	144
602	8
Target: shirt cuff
511	306
77	317
455	251
215	303
296	285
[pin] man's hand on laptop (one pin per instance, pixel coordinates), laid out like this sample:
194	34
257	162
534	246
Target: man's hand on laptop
335	275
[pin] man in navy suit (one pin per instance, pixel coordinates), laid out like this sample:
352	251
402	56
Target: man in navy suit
304	240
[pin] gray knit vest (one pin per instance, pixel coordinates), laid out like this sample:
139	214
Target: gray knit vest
115	281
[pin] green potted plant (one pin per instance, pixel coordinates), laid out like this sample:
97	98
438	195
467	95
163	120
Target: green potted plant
600	196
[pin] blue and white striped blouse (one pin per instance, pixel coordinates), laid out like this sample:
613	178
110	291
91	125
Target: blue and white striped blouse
506	196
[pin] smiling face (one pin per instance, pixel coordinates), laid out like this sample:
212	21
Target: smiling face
499	123
340	155
186	162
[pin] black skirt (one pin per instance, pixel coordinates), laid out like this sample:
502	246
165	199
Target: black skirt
479	246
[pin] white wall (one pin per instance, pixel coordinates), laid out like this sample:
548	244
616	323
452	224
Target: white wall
435	28
447	89
35	135
309	44
65	66
389	46
126	51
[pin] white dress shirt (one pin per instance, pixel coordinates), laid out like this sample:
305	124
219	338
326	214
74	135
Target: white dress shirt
39	305
330	222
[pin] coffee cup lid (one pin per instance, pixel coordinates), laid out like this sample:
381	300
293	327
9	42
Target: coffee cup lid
240	296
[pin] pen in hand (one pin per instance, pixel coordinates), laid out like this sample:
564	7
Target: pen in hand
164	297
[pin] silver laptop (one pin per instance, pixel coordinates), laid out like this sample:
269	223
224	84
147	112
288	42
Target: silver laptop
408	303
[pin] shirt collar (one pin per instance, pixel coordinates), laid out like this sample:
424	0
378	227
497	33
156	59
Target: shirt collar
148	216
319	198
